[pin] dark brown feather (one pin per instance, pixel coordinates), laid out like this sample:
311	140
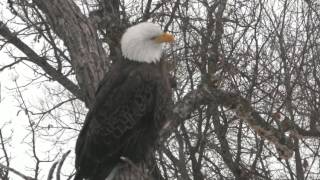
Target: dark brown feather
125	120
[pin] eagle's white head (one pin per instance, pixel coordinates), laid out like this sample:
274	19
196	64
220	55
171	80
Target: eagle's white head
143	42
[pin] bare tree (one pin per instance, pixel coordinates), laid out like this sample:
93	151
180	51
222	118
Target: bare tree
246	102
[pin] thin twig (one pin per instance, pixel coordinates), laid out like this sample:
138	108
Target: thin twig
64	156
4	152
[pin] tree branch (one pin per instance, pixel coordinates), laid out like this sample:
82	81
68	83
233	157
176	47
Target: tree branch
2	141
237	104
40	61
51	171
64	156
17	172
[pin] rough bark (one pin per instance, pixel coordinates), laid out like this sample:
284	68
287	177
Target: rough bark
88	57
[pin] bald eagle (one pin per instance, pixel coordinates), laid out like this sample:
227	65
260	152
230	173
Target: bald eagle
130	106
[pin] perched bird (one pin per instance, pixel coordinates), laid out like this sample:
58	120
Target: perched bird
130	106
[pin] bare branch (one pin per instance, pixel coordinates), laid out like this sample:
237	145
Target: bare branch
2	141
10	65
239	105
64	156
51	171
17	172
40	61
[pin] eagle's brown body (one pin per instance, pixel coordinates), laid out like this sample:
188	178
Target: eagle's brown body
129	112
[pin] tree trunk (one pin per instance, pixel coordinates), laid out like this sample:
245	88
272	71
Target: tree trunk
88	57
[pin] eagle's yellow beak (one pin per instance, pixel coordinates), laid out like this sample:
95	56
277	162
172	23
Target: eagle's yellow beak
165	37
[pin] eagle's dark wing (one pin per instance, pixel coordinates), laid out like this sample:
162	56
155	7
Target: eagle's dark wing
112	79
121	116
